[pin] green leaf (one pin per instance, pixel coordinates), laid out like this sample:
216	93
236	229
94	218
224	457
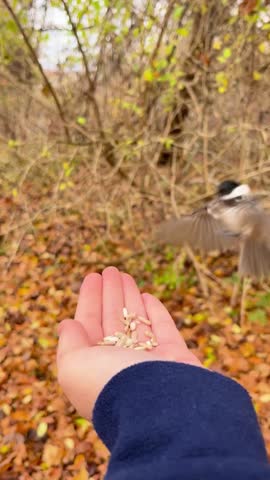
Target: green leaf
200	317
183	31
264	48
222	82
81	422
169	49
217	43
167	142
96	6
13	143
252	19
68	169
46	342
204	9
170	278
136	32
81	120
149	24
5	449
148	75
62	186
45	153
178	12
258	315
264	300
11	26
227	52
256	75
161	64
169	254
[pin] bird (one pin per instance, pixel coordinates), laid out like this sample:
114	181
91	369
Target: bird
232	220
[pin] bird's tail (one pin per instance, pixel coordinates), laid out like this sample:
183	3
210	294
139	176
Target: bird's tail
254	259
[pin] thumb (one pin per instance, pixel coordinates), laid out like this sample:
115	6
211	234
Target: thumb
72	336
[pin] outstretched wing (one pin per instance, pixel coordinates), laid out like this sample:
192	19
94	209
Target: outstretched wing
254	259
199	230
255	250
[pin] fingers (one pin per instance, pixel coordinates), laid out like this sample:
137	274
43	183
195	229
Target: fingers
101	302
89	308
134	302
163	325
72	336
113	301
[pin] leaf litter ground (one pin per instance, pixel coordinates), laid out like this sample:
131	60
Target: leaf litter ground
41	435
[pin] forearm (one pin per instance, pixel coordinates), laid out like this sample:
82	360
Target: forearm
162	420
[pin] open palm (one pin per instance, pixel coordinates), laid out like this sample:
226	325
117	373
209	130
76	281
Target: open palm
84	367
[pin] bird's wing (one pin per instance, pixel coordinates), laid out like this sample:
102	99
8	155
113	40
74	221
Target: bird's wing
199	230
254	259
255	250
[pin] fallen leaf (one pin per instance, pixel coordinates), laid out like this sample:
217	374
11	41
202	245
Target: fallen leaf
265	398
52	455
42	429
82	475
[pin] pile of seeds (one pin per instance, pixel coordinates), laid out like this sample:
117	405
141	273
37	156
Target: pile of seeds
129	338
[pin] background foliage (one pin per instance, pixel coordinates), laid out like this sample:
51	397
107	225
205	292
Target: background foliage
150	105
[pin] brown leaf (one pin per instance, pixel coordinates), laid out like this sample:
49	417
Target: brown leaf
52	455
247	7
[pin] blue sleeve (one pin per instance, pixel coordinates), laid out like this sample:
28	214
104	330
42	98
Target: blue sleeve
168	421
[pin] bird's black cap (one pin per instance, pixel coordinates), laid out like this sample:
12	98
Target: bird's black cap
226	187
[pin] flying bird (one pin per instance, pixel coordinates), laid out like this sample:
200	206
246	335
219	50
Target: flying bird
233	219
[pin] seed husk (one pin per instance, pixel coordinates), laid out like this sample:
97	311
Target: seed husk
148	333
134	337
129	338
133	326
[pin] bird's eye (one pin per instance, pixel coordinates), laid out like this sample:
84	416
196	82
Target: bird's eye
232	201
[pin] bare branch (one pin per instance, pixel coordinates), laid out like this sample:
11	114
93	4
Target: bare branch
38	64
108	147
80	48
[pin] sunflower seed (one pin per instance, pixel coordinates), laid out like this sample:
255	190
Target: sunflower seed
129	338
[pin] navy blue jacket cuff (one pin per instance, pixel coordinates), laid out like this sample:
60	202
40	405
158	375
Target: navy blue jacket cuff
171	420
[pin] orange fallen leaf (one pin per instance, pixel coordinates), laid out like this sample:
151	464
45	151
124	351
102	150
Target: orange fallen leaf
52	455
82	475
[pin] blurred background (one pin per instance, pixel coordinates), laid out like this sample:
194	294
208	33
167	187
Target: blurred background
115	115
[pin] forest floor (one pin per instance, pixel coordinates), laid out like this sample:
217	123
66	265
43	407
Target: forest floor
41	436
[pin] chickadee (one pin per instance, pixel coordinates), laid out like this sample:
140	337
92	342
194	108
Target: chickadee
233	219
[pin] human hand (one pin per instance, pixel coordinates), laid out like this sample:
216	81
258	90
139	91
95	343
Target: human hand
84	368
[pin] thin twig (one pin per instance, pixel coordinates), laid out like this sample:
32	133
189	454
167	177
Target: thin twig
205	154
197	266
162	31
37	62
246	285
108	148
